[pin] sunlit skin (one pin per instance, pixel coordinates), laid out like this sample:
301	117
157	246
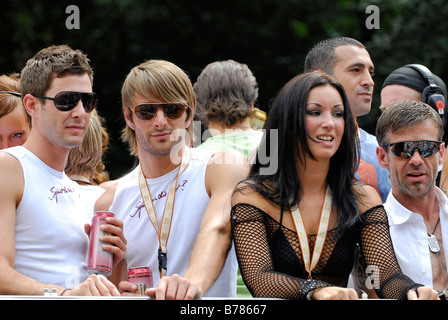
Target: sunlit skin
414	177
324	121
14	128
354	70
157	137
53	130
157	133
66	128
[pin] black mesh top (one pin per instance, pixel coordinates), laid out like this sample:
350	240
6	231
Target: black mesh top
270	257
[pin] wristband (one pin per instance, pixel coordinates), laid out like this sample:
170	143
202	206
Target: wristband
63	291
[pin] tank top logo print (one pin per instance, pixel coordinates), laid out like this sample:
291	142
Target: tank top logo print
140	204
55	192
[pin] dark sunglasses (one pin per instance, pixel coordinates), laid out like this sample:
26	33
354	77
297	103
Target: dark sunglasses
17	94
405	149
147	111
67	100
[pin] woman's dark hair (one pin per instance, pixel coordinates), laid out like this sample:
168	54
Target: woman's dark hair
286	120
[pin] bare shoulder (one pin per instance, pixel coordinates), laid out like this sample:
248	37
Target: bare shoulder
109	184
226	169
246	193
12	182
105	200
10	167
368	196
228	158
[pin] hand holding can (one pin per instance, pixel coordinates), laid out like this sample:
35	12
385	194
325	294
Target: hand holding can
99	260
142	277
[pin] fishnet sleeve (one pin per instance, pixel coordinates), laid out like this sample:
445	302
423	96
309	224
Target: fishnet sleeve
378	253
250	237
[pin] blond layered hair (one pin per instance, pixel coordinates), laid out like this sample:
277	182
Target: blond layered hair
86	159
156	81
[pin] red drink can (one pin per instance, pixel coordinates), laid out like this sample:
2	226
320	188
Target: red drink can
142	277
99	261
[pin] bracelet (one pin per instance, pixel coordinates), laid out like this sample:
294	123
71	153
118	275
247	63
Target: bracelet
307	289
415	288
309	294
63	291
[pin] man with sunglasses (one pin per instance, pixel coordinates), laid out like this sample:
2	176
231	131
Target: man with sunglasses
409	135
43	222
175	204
417	82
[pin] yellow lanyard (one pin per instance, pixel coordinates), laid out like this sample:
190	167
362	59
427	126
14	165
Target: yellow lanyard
321	234
164	233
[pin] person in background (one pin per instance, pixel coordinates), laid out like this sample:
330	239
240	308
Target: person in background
177	188
226	92
43	222
416	82
410	142
408	82
85	165
295	229
349	62
14	122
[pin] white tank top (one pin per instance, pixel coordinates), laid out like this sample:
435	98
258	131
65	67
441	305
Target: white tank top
190	203
51	245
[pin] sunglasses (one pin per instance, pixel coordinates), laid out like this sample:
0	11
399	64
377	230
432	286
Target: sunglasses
17	94
405	149
67	100
147	111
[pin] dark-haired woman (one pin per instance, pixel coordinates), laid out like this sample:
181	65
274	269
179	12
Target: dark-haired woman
297	219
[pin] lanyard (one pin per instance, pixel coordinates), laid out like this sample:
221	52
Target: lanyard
321	234
164	231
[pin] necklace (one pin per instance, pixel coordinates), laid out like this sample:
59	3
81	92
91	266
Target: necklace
311	261
80	179
432	240
164	231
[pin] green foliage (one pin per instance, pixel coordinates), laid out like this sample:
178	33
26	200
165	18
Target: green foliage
272	37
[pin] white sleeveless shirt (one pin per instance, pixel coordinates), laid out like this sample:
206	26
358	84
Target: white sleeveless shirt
50	242
191	201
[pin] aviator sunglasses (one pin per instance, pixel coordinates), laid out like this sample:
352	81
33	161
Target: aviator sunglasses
67	100
405	149
147	111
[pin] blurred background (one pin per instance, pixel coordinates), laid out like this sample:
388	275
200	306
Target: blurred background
272	37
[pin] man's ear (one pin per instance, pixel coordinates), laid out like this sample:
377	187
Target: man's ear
383	160
190	117
442	153
127	113
30	103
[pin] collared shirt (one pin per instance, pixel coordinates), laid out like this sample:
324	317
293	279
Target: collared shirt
410	238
